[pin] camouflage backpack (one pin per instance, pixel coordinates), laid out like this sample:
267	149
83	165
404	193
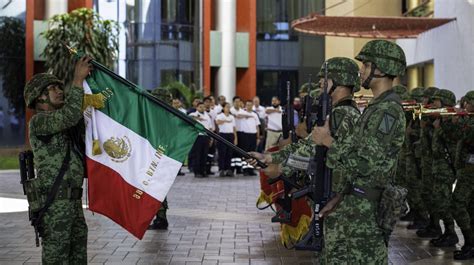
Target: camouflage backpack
392	205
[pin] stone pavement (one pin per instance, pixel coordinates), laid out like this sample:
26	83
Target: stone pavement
212	221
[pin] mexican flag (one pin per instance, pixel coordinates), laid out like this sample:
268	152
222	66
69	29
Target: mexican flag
134	150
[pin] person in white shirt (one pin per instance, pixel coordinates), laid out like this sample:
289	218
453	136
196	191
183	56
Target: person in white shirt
239	114
220	104
201	145
250	135
209	105
260	110
177	104
274	126
226	124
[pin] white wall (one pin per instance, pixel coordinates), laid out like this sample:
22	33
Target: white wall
450	47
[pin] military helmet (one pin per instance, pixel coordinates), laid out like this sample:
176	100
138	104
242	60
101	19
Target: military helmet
307	87
446	96
163	94
469	97
343	71
386	55
402	92
430	91
315	93
417	94
36	85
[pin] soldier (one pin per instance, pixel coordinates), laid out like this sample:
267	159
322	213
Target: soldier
426	136
343	81
413	167
306	88
444	173
52	128
161	221
367	158
463	196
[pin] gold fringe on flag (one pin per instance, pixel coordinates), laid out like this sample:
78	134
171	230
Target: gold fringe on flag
94	100
289	235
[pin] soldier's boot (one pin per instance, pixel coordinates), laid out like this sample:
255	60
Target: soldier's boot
465	254
419	222
429	232
409	216
159	224
448	239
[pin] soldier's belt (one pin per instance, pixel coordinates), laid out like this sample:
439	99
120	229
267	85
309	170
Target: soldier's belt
298	162
371	194
68	193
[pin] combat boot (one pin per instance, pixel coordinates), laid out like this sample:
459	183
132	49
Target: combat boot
447	240
429	232
159	224
467	252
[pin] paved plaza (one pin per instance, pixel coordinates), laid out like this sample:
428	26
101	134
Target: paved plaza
212	221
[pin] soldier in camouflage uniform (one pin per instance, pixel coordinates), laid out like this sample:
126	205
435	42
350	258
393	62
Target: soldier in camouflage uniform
463	196
444	174
161	221
58	115
367	158
306	88
413	167
426	137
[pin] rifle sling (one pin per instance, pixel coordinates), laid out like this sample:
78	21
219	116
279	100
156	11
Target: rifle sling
55	188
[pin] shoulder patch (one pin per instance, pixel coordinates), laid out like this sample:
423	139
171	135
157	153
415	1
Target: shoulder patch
386	124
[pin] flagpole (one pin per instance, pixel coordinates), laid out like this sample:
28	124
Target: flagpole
170	109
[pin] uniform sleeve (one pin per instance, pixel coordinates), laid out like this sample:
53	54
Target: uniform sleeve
66	117
283	154
343	121
374	152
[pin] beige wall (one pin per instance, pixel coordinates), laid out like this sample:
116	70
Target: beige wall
349	47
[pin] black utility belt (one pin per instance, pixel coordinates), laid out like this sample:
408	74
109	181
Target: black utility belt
371	194
68	193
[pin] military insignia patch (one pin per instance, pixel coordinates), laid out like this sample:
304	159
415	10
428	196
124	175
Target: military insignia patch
119	149
386	124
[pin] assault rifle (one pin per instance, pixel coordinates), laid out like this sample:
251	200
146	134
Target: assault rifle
319	189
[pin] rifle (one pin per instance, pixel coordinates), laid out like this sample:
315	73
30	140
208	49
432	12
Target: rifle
319	190
288	116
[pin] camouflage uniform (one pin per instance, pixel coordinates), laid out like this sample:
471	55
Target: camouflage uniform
413	167
463	196
64	237
367	158
161	221
401	178
443	150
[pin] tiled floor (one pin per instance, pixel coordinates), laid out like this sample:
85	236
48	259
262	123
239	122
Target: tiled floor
212	221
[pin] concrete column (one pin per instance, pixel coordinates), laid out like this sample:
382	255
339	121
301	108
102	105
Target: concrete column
226	24
428	75
412	4
54	7
413	77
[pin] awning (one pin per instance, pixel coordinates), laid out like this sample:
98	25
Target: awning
367	27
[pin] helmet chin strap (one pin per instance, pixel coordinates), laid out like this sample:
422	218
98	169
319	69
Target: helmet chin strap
371	76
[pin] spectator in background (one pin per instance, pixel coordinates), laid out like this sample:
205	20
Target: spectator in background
297	108
260	110
220	104
250	135
212	146
239	114
196	101
201	145
226	125
177	104
274	126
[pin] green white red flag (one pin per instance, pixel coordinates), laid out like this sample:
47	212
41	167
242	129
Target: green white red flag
134	150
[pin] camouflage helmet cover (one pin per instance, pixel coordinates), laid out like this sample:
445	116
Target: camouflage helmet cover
402	92
315	94
446	96
430	91
417	94
307	87
386	55
469	97
343	71
163	94
36	85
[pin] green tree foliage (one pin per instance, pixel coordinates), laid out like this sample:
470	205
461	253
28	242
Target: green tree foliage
12	61
183	92
84	30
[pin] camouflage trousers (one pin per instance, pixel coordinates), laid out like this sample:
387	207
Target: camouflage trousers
427	188
352	236
65	233
463	199
442	194
415	186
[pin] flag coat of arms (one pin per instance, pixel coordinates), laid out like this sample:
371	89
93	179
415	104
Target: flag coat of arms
134	149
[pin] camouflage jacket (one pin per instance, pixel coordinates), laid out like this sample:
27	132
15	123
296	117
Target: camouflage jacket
443	148
344	115
465	147
368	155
50	137
412	140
